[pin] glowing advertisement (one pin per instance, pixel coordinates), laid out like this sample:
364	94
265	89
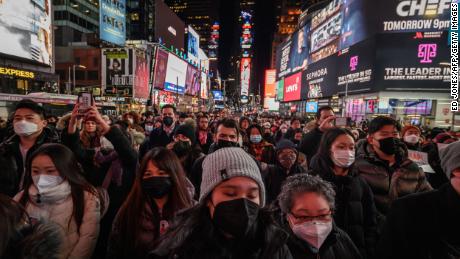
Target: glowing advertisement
311	107
423	58
161	64
327	32
112	20
217	95
292	87
118	68
280	90
192	81
320	79
175	74
271	104
193	45
245	73
204	86
292	55
414	15
270	80
26	30
141	77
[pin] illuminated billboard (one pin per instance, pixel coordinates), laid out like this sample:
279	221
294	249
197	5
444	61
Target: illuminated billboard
118	69
112	20
169	28
270	80
193	45
175	74
161	64
192	82
292	87
141	77
245	75
26	30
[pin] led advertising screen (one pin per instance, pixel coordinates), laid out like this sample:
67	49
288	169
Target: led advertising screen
271	104
312	107
169	28
161	64
141	77
175	74
112	20
413	16
192	81
118	69
320	79
245	72
292	55
270	80
193	45
204	86
280	90
421	66
217	95
292	87
26	31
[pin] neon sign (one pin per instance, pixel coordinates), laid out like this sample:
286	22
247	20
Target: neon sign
353	63
426	52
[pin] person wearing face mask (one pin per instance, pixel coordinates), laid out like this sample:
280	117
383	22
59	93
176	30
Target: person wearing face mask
158	194
55	190
30	132
383	162
267	133
161	137
355	211
229	221
258	147
185	147
227	135
305	210
426	225
285	165
411	136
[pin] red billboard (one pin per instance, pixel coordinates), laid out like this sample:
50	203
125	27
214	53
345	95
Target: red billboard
292	87
141	78
161	65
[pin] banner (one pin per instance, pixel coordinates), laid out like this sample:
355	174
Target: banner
245	72
118	70
175	74
142	77
270	80
320	79
192	81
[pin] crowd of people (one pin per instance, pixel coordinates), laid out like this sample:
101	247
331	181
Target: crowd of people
221	185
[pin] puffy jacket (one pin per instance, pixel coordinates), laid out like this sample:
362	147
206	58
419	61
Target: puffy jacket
78	243
423	226
157	138
389	182
12	163
196	237
337	245
355	211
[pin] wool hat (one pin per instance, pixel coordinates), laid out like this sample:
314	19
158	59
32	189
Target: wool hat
227	163
188	131
285	143
410	127
450	158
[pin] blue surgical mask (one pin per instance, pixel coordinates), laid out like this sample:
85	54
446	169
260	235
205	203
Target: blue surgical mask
255	138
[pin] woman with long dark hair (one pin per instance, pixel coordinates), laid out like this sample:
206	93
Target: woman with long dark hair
355	211
158	194
259	147
55	190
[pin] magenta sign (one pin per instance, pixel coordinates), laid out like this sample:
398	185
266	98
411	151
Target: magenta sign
426	52
353	63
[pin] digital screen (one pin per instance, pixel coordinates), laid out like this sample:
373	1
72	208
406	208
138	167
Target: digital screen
204	86
280	90
192	82
161	64
26	30
410	107
141	77
193	45
270	80
112	20
320	79
175	74
271	104
245	72
312	107
217	94
327	32
117	67
169	28
292	87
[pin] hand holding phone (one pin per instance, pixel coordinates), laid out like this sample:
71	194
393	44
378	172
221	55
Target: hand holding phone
85	101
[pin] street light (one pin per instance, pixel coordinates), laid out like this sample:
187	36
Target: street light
70	83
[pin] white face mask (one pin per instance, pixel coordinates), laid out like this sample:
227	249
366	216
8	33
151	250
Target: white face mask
149	128
343	158
283	131
25	128
313	232
45	182
411	139
131	121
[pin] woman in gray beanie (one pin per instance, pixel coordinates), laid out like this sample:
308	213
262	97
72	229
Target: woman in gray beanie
427	225
229	221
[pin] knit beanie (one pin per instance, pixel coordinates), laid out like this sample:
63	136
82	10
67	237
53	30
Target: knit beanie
188	131
227	163
285	143
410	127
450	158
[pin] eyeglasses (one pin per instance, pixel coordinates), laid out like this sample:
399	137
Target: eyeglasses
323	217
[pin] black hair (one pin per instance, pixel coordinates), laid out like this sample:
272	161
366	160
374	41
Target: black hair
168	106
229	123
380	121
324	150
31	105
254	126
296	119
323	108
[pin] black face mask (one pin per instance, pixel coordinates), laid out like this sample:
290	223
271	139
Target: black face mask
168	121
182	148
157	186
236	217
388	145
225	143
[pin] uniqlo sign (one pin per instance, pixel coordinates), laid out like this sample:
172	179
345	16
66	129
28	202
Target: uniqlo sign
292	87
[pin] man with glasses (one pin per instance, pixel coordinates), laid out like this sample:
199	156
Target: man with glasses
306	204
383	162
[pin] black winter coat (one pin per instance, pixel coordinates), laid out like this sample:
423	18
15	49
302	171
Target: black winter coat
337	245
194	236
423	226
310	143
12	165
157	138
274	176
355	211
